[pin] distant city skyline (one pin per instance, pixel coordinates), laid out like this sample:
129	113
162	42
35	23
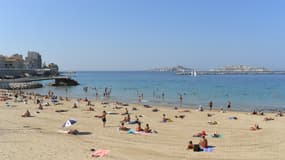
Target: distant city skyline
140	35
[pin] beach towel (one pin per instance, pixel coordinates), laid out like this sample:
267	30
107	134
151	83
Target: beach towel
112	113
233	118
209	149
133	122
136	132
168	120
99	153
131	131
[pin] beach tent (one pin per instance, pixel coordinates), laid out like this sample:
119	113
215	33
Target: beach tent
69	122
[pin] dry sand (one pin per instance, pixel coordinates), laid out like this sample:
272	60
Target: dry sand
38	138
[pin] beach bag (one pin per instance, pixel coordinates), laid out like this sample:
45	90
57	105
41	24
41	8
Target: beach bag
196	148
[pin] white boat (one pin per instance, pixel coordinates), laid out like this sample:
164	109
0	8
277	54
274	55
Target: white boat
194	73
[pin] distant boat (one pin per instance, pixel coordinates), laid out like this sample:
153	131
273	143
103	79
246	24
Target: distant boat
194	73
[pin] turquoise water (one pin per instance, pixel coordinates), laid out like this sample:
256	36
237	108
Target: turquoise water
246	92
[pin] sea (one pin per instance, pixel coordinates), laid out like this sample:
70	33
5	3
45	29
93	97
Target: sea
245	92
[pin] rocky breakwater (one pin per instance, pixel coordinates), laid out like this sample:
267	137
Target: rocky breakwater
24	85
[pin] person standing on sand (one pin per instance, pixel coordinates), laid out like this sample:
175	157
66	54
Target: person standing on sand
229	105
211	105
180	99
140	99
104	118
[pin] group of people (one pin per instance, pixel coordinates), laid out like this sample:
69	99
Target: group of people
138	128
211	104
127	119
202	144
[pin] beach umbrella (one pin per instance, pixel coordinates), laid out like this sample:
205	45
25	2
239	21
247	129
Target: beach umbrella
69	122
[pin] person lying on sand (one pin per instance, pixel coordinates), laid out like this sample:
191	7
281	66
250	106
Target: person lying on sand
89	109
212	122
123	128
73	132
116	107
268	119
233	118
139	128
254	112
147	106
190	145
186	110
180	116
26	114
155	110
202	133
215	135
203	142
255	127
61	110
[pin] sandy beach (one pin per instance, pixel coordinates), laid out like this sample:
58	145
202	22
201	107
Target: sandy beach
38	138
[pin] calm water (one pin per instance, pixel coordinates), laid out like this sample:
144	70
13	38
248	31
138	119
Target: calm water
246	92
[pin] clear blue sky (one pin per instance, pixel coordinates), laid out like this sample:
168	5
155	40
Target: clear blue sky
143	34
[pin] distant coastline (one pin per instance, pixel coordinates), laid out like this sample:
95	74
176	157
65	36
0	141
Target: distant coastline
227	70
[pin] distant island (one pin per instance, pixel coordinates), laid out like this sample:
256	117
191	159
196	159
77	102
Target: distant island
178	68
241	68
226	70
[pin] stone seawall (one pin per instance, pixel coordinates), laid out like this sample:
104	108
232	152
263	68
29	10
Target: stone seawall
20	85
